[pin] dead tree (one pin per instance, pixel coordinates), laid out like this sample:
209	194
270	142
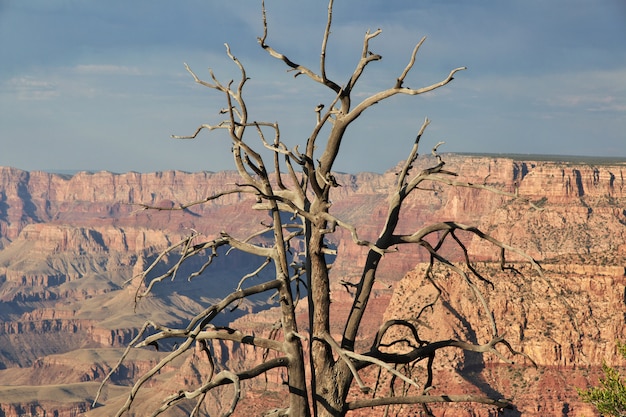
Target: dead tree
295	187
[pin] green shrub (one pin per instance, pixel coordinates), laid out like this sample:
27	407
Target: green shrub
610	397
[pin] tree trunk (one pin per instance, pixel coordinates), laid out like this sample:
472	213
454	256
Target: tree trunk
328	399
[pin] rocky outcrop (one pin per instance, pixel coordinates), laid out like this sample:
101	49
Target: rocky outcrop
105	198
39	408
566	324
70	243
53	238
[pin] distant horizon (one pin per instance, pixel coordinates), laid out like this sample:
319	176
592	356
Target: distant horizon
518	157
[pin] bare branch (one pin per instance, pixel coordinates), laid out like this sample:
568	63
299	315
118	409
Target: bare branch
390	323
329	20
370	359
237	336
344	356
408	165
300	69
370	101
223	378
427	399
431	348
120	361
221	125
469	282
218	379
402	76
205	317
148	375
254	273
491	189
366	58
333	222
237	190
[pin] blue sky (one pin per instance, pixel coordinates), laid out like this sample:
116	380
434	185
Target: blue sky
100	85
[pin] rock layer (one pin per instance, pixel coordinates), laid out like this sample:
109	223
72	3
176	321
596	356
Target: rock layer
70	243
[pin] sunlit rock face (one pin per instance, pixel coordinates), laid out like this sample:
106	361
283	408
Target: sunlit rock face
70	245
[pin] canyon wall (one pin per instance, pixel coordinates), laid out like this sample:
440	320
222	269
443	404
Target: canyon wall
69	245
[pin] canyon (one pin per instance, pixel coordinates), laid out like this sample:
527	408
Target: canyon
71	244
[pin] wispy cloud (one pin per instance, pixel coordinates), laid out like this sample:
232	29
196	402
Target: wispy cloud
32	88
589	102
87	80
566	91
593	91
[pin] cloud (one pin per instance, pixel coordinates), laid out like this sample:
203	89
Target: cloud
79	81
589	102
95	69
591	91
573	90
606	104
32	88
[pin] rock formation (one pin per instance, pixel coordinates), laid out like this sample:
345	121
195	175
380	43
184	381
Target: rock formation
69	245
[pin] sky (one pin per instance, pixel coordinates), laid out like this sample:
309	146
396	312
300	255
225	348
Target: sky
100	85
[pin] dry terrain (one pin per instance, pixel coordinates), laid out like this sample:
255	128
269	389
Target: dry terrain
70	244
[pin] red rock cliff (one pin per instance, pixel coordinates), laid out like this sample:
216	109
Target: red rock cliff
69	243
